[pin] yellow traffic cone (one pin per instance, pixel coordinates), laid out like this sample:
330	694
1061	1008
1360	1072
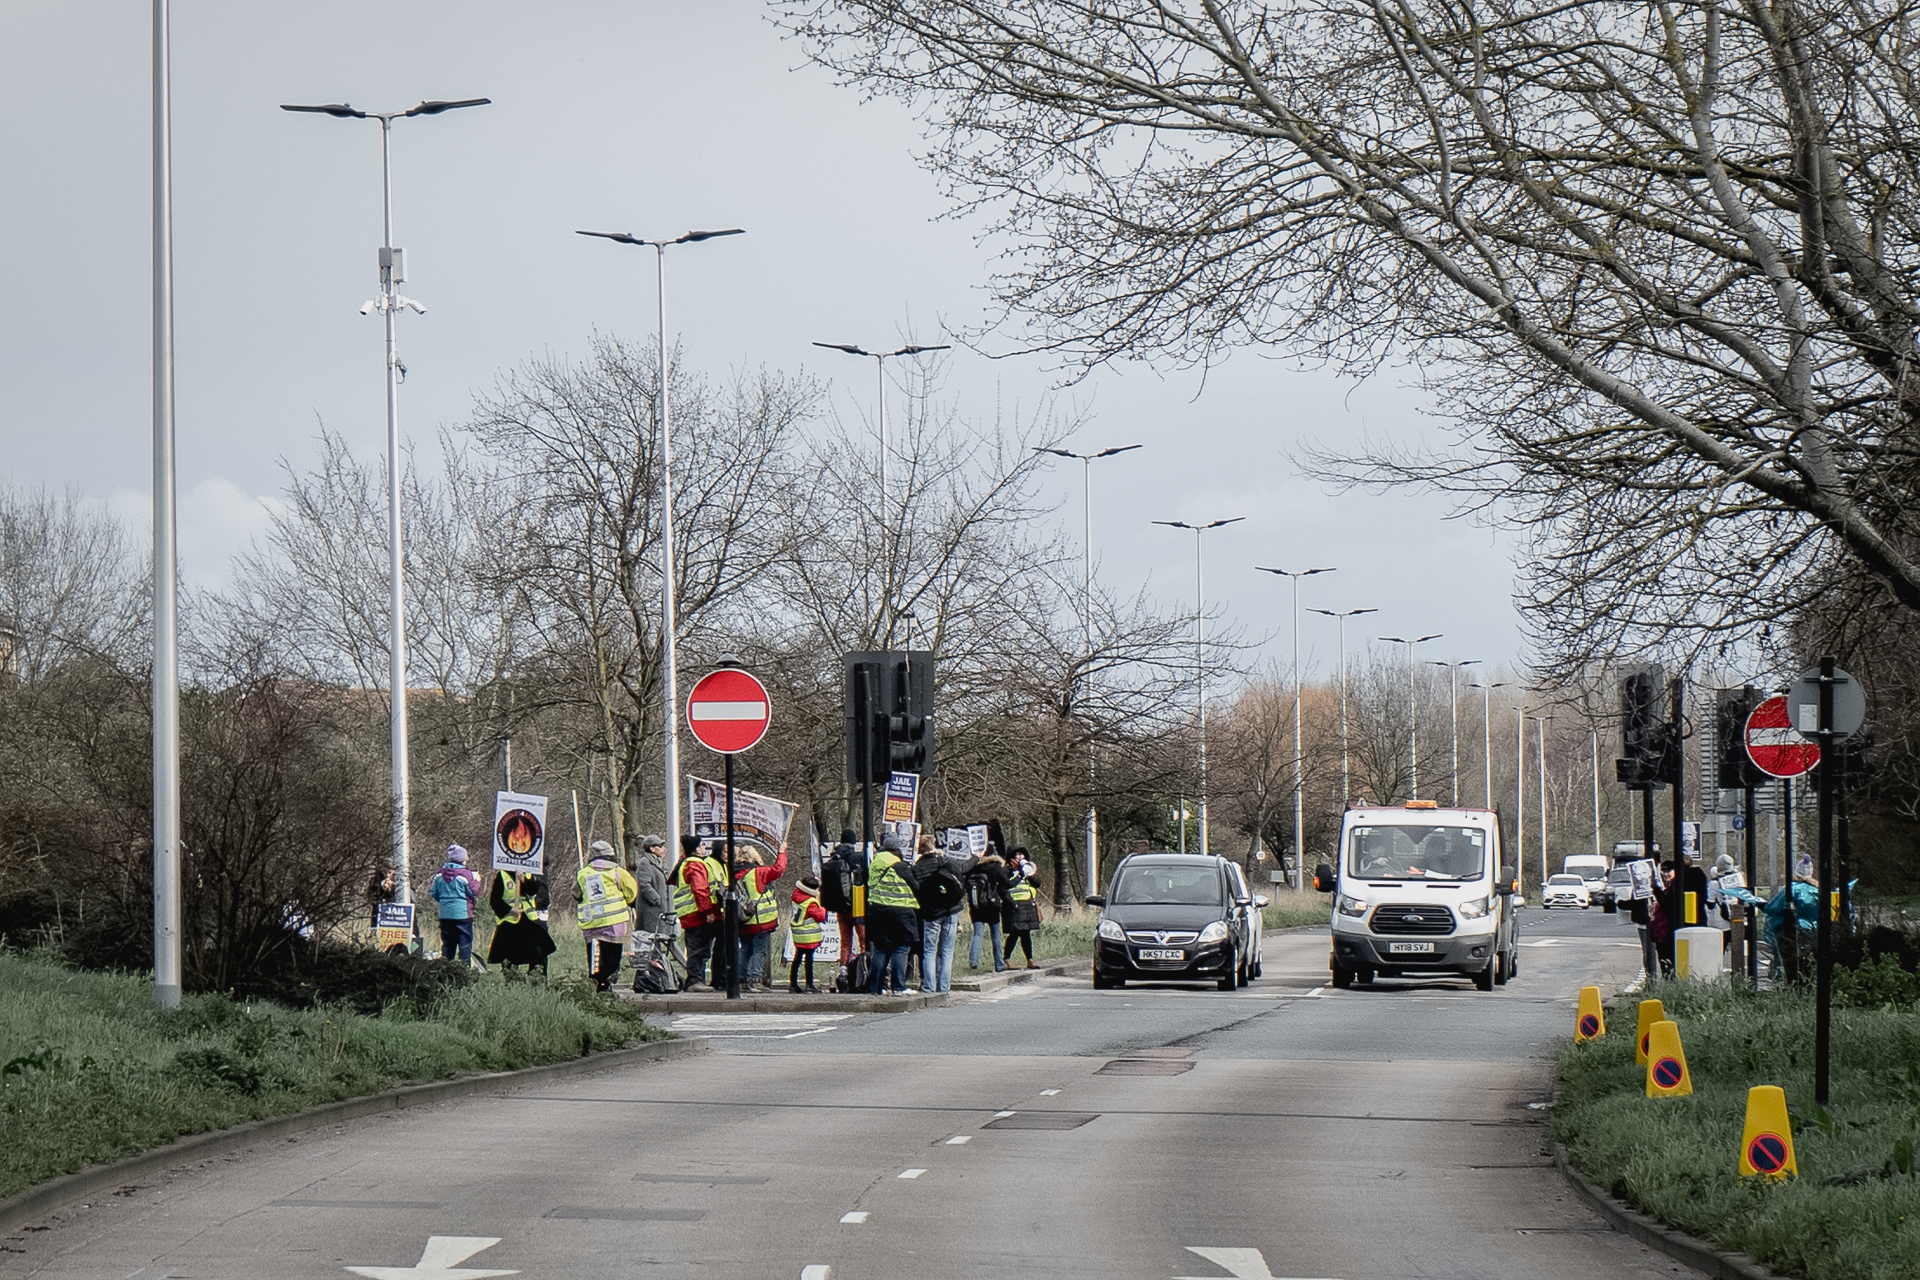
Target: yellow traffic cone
1667	1063
1766	1145
1592	1022
1651	1011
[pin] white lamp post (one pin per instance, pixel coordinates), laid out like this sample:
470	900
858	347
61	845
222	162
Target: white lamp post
1199	659
388	303
166	633
669	618
1299	803
1342	616
1413	712
1086	461
1453	702
1486	732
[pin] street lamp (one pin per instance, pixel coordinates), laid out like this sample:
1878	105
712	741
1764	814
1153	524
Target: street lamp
1413	712
392	272
1453	700
1540	724
1342	617
1199	661
1486	731
166	628
1299	851
1086	461
669	618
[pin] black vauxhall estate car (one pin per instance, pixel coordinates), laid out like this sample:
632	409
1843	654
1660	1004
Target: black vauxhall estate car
1177	917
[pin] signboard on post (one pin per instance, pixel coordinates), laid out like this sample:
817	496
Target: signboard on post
1849	703
1774	745
520	833
392	925
728	711
903	798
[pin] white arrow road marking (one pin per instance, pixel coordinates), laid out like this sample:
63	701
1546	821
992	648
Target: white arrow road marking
437	1259
911	1173
857	1217
817	1271
1242	1264
960	1140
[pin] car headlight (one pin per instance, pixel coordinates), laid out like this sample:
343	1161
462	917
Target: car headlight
1475	909
1215	932
1350	906
1111	931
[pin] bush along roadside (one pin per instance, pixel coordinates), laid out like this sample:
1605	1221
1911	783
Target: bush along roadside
91	1071
1853	1213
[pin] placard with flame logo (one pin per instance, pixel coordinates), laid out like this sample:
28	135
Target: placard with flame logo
519	833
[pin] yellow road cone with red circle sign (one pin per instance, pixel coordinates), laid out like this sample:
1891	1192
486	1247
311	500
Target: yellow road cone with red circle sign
1651	1011
1591	1023
1766	1145
1667	1063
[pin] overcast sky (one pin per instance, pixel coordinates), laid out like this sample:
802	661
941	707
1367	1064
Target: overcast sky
652	116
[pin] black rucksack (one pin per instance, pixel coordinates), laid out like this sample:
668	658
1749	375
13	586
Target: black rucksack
981	895
936	886
836	885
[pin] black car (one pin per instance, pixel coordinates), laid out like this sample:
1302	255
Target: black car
1175	917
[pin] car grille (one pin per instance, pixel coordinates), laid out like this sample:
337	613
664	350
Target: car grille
1169	938
1426	918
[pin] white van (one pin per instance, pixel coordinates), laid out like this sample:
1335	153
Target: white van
1421	890
1590	867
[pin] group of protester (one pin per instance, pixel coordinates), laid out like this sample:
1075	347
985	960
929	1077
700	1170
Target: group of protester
1712	906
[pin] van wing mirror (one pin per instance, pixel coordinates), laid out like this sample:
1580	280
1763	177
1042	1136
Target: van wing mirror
1261	900
1096	900
1509	879
1323	878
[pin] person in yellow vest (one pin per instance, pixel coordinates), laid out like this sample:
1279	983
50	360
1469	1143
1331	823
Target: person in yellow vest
607	893
808	930
893	916
759	914
699	897
520	934
1023	905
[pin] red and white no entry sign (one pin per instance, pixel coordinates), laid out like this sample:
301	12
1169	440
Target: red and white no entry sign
1774	745
728	710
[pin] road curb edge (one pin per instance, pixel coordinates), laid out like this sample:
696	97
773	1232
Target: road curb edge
1677	1245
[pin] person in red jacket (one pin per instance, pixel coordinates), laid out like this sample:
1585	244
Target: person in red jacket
759	914
693	883
808	931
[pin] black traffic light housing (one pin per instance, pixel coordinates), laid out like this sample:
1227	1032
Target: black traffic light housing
889	711
1731	707
1650	750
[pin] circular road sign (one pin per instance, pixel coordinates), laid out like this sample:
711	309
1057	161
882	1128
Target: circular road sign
1589	1025
1767	1153
1667	1072
1849	703
728	710
1774	745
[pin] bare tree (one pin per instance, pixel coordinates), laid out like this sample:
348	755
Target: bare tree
71	583
1654	260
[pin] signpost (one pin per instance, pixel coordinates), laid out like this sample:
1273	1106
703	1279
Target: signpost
728	711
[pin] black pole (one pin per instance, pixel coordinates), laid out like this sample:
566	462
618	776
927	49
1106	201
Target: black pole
1823	932
1678	692
729	925
866	747
1753	887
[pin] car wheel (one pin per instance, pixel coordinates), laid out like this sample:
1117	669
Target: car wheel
1586	906
1513	962
1258	968
1230	976
1364	977
1342	978
1483	980
1500	974
1100	981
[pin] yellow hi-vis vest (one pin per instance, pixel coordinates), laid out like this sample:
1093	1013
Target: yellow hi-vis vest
683	901
756	908
887	885
601	902
1021	891
517	906
807	932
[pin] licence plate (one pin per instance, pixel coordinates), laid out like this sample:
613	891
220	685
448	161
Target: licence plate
1163	955
1409	948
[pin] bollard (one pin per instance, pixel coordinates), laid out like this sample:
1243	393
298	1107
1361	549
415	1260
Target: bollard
1693	908
1591	1023
1697	952
1651	1011
1667	1063
1766	1145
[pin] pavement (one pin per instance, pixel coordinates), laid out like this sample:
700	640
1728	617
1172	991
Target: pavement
1042	1129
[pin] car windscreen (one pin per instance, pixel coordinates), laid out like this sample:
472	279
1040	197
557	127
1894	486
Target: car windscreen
1198	885
1565	880
1410	852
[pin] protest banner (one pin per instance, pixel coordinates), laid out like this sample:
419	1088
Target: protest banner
519	833
828	952
757	819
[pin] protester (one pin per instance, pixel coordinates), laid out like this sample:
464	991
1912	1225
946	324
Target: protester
941	887
841	875
1660	924
699	910
893	917
986	903
807	931
1023	905
455	891
653	912
520	936
1641	912
759	914
607	893
381	890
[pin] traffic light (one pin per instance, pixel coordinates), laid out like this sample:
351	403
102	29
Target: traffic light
866	721
910	712
1651	754
1731	709
889	714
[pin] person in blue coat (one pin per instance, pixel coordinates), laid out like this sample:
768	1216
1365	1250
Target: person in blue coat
456	891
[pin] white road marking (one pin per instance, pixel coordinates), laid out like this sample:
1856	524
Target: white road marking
857	1217
1001	1115
1545	942
1048	1093
1242	1264
795	1035
911	1173
959	1140
1316	991
817	1271
754	1021
437	1259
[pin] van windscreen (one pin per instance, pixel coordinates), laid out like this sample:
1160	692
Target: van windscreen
1407	852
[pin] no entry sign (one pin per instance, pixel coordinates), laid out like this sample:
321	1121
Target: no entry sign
1774	745
728	710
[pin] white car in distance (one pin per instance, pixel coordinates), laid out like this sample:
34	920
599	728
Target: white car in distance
1566	890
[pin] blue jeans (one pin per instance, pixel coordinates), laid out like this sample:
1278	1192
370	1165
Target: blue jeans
973	952
936	954
753	957
892	959
456	938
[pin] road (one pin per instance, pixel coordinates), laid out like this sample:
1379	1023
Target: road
1286	1130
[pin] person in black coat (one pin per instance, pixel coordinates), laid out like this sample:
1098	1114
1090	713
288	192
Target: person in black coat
986	903
520	934
1022	915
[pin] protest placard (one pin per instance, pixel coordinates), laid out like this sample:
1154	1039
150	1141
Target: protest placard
519	833
758	819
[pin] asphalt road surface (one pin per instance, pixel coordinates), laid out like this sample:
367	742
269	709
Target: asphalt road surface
1285	1130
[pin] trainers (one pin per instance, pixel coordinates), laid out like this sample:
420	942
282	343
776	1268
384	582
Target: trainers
698	986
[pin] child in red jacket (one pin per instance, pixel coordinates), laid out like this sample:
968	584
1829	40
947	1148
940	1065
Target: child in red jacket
807	929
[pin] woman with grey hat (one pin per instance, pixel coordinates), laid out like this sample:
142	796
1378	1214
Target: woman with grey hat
655	906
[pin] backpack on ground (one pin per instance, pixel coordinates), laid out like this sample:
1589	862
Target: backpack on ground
856	975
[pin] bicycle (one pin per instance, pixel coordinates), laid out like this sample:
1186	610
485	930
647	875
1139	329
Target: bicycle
671	977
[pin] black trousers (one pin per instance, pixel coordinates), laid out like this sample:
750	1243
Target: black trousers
793	969
1024	939
603	961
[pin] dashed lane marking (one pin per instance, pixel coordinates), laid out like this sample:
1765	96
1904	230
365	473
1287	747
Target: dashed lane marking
1001	1115
959	1140
816	1271
855	1218
1048	1093
911	1173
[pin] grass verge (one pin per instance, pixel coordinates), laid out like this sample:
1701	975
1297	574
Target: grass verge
1854	1211
90	1070
1293	908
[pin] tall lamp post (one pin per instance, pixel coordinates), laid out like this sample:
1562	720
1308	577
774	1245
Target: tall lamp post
1486	732
1341	616
669	617
1453	701
1086	461
389	303
1540	724
1199	657
166	634
880	359
1596	791
1299	804
1413	712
